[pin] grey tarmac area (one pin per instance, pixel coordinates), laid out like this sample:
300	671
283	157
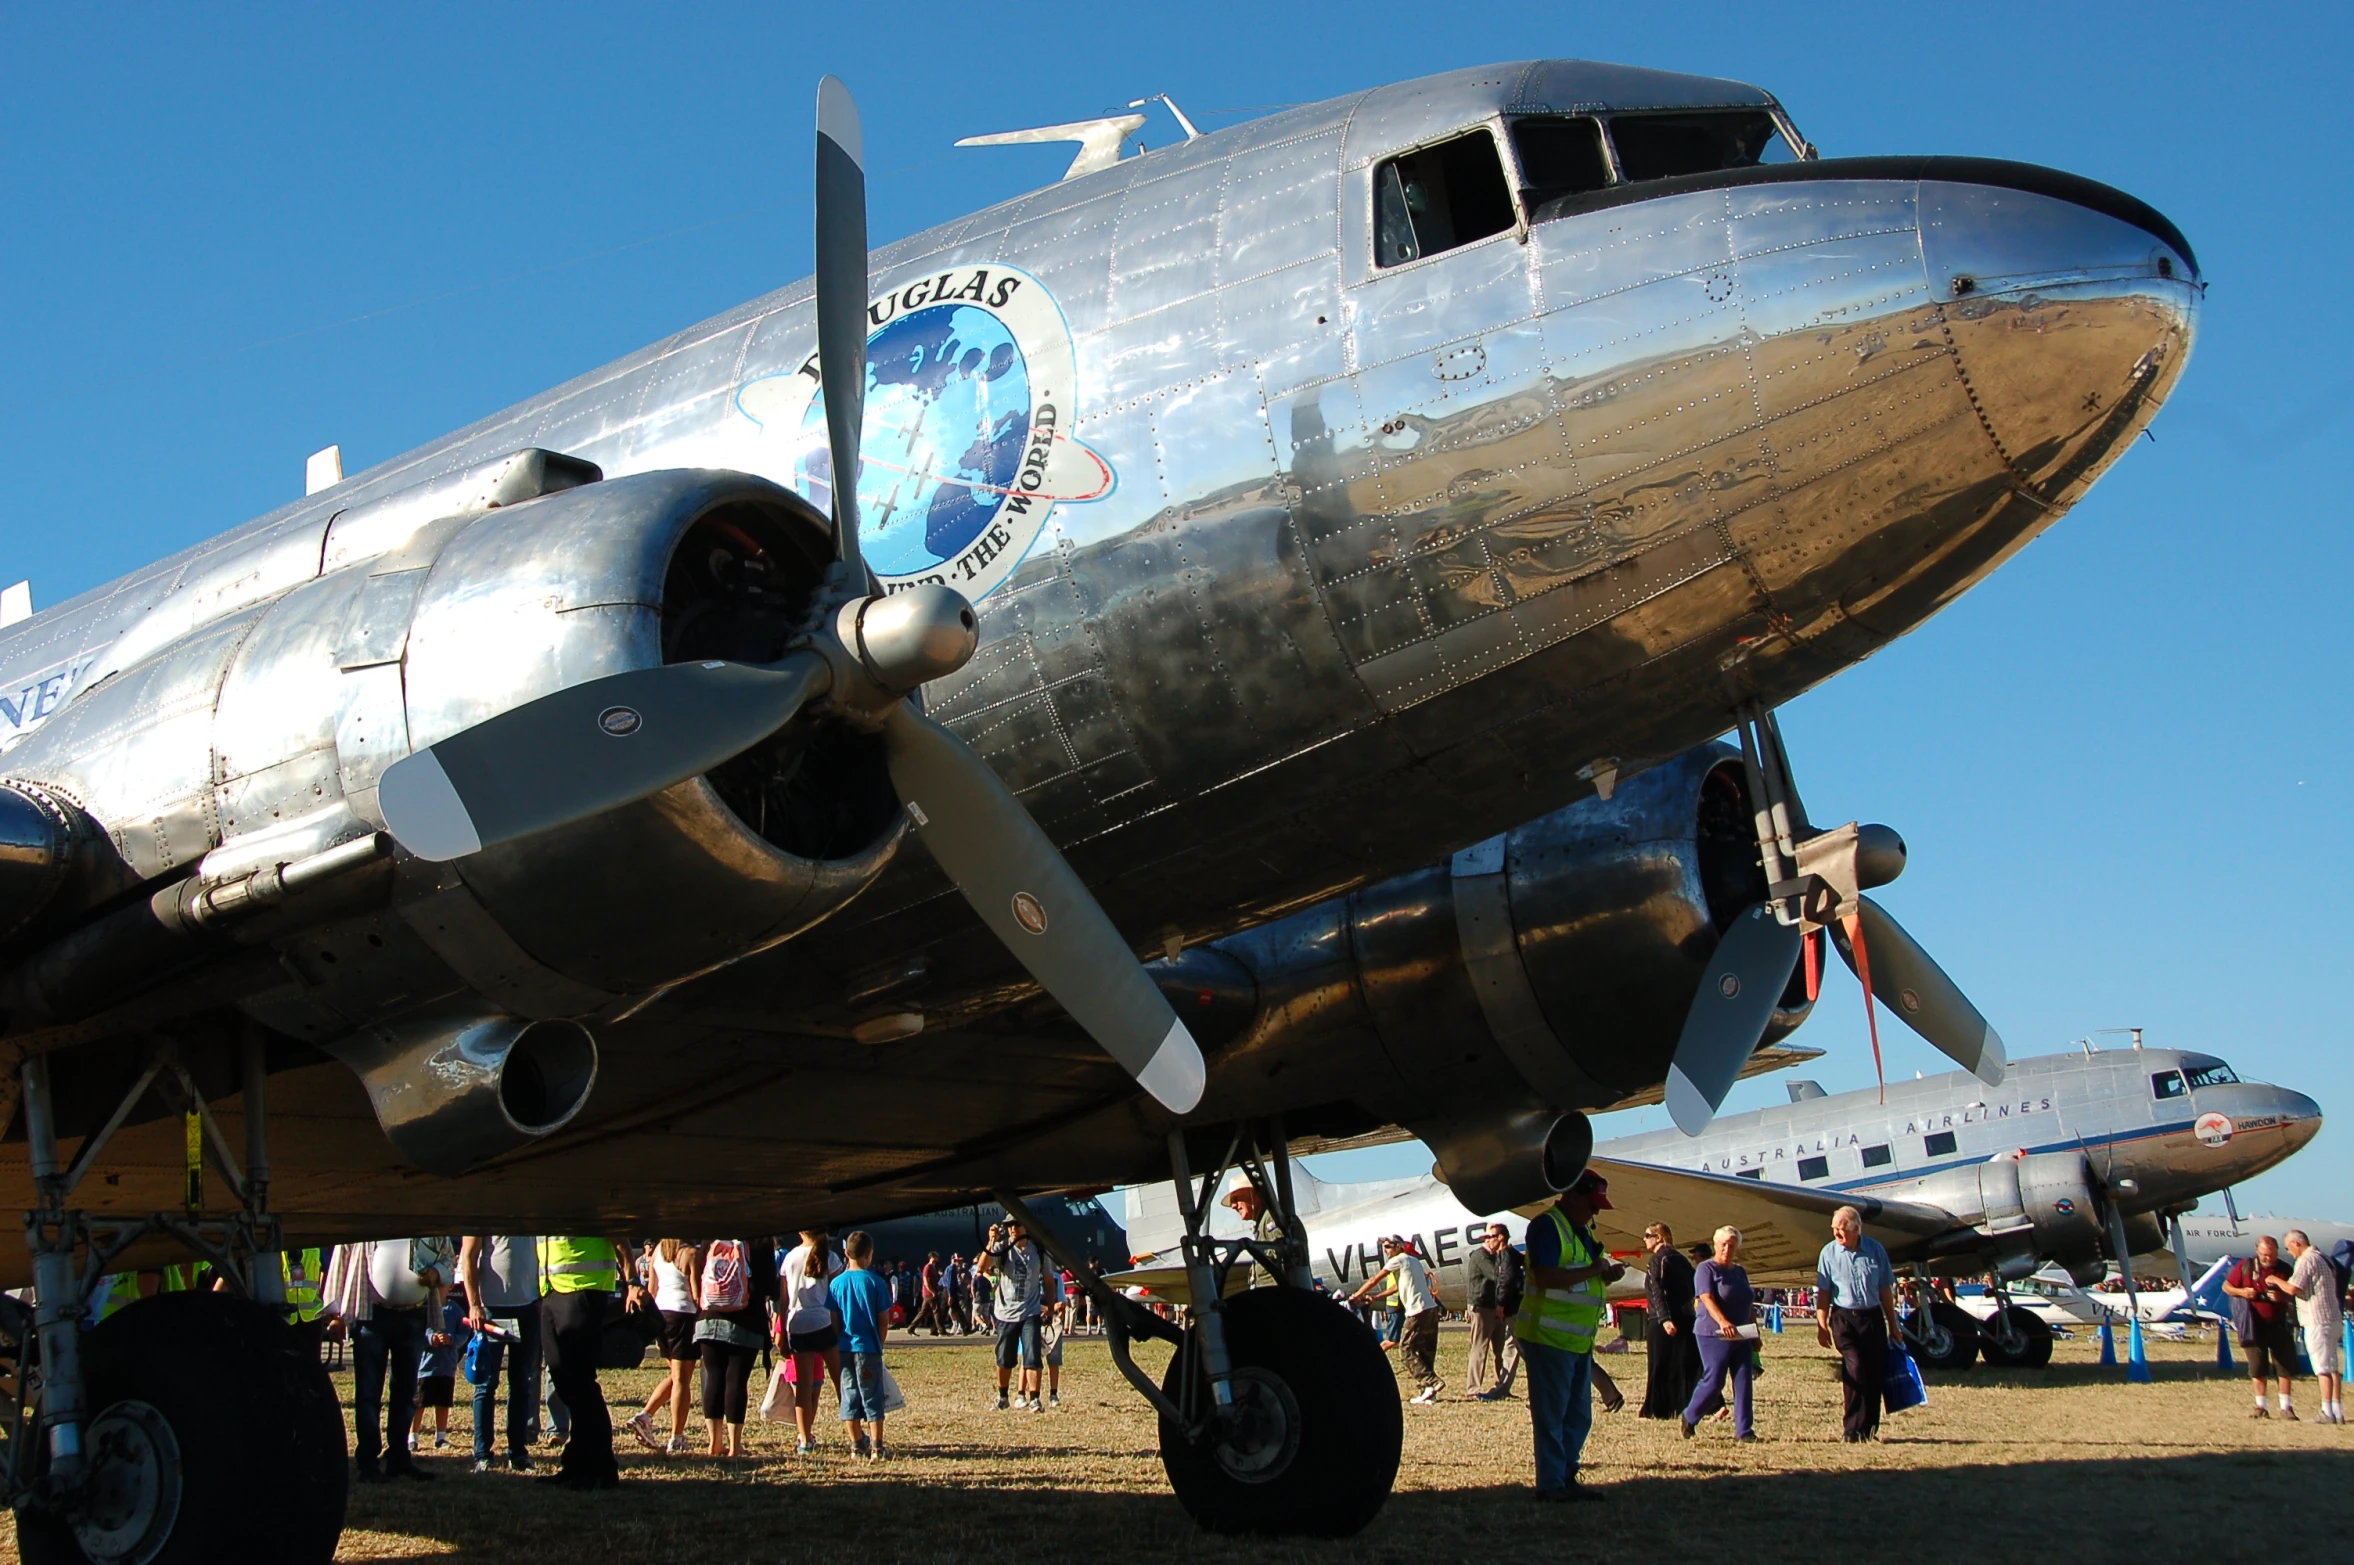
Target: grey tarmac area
2068	1462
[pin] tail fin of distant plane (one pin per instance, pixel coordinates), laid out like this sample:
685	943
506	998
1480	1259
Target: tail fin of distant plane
2207	1296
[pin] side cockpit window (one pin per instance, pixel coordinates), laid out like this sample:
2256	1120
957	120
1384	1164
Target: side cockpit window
1559	157
1663	146
1433	200
2167	1084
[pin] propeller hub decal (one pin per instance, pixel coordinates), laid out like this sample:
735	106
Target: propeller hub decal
967	443
1029	913
1729	986
620	721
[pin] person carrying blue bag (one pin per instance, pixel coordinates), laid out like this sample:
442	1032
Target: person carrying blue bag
1855	1312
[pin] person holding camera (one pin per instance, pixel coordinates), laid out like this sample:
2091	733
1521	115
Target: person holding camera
1018	1271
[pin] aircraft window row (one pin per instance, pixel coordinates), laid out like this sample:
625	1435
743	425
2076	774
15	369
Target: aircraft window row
1939	1143
2214	1073
1750	1173
1814	1167
2167	1084
1878	1157
1438	197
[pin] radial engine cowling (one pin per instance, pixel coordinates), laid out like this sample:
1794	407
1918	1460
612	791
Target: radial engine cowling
656	568
2021	1212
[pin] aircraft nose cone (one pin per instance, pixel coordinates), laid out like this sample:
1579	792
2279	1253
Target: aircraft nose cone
2071	310
2300	1118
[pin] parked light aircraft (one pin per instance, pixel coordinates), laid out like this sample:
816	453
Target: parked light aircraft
1234	532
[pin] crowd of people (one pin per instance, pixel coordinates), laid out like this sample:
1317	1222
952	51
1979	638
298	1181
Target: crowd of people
1541	1311
529	1315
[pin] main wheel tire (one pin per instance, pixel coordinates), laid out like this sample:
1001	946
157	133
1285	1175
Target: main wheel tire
2031	1344
1952	1338
253	1413
1325	1452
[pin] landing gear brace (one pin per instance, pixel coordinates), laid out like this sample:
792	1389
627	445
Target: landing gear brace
130	1457
1279	1411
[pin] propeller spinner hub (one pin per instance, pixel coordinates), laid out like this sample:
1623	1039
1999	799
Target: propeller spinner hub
913	636
1879	856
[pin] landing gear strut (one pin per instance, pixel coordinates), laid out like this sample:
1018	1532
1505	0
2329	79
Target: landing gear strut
1939	1335
1279	1412
146	1438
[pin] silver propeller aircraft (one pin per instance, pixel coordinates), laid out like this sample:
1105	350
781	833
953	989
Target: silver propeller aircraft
2079	1155
1229	533
2075	1157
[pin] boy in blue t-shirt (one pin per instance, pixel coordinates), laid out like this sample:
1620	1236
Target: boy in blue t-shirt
862	1302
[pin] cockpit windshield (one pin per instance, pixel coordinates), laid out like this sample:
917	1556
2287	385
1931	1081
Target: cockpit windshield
2204	1071
1662	146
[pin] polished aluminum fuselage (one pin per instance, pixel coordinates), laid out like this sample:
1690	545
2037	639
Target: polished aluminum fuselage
1382	561
2155	1154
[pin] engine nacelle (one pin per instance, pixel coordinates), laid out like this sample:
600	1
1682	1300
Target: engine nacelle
2022	1212
661	567
1477	1001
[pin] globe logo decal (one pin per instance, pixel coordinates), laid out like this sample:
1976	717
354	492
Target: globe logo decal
947	421
966	446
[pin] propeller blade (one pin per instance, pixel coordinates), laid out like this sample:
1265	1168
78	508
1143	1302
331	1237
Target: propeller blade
587	749
1729	1015
841	302
1909	982
1030	899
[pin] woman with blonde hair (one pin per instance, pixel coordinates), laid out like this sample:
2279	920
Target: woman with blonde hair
810	1329
673	1268
1726	1330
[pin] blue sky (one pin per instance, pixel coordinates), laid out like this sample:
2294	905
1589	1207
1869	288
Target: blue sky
2122	764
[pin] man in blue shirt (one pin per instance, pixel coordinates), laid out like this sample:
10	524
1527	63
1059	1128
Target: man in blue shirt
1855	1311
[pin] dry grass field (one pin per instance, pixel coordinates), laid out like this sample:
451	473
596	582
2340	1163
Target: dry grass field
2069	1462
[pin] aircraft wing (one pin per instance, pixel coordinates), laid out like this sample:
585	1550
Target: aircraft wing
1783	1227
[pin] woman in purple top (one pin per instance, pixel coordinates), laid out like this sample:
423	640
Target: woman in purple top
1721	1287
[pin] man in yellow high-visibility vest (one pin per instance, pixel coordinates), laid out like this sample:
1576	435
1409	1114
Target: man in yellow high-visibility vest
580	1277
1568	1270
304	1269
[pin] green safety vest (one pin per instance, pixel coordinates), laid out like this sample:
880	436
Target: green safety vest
578	1265
122	1290
181	1278
1565	1318
303	1273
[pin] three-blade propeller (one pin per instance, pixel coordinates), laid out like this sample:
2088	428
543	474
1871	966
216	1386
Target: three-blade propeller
597	746
1815	881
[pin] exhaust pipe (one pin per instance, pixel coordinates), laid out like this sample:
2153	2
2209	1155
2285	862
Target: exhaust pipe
1496	1165
454	1087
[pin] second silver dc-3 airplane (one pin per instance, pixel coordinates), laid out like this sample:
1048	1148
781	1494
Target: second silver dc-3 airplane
2075	1157
477	843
